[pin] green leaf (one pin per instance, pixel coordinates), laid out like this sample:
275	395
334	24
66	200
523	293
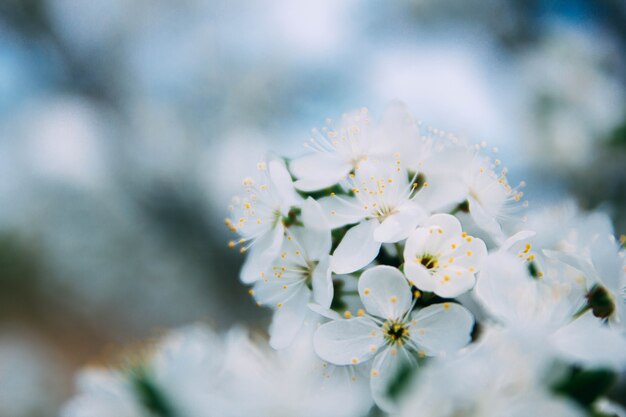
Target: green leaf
149	393
586	386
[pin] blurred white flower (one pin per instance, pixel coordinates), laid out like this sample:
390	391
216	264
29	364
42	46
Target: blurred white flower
605	266
543	311
439	257
390	334
499	377
571	100
103	393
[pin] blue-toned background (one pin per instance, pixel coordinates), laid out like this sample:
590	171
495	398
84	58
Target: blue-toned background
126	126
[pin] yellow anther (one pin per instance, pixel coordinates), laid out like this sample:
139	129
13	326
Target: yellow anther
464	234
394	299
417	293
231	244
360	312
354	361
446	306
375	373
347	314
251	291
280	305
469	253
366	291
242	250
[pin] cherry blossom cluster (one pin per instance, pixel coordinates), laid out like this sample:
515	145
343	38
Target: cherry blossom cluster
406	277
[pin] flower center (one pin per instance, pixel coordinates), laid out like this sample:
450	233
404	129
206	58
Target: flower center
396	332
429	261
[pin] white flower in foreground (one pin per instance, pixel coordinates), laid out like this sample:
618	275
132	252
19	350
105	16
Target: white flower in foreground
382	205
300	275
543	311
103	393
257	217
390	333
439	257
499	377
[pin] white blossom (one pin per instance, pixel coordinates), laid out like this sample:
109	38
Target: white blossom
257	216
390	334
439	257
103	393
382	206
502	376
543	312
300	275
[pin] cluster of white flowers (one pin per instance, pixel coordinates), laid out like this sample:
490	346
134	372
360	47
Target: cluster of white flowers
405	278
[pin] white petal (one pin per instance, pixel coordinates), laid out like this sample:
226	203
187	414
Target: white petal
261	255
504	288
517	237
385	292
348	342
342	210
588	342
442	328
470	254
288	319
313	216
436	231
608	263
325	312
453	283
318	171
484	220
282	181
441	193
419	276
314	244
417	244
397	226
447	225
322	283
385	368
575	261
357	248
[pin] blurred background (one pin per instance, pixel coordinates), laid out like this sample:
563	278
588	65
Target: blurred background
127	125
